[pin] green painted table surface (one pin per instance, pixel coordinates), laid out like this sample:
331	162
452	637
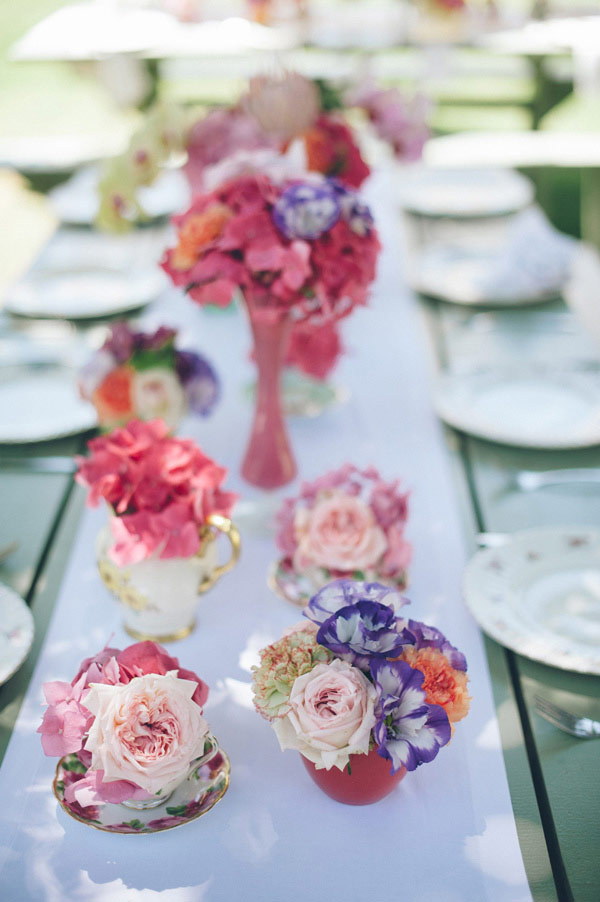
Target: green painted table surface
553	777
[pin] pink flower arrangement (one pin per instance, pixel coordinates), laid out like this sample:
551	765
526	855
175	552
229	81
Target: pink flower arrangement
310	246
131	719
349	522
161	491
398	120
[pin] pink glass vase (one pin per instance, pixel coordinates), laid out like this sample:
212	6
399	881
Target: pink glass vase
268	462
369	779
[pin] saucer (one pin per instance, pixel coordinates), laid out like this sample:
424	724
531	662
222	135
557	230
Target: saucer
299	588
16	632
540	595
303	396
190	800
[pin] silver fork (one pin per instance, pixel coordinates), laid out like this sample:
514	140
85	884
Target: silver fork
582	727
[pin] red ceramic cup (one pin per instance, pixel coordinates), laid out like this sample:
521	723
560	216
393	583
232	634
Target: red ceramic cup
370	779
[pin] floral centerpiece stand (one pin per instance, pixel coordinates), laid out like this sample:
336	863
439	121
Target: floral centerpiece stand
300	251
136	753
361	691
166	508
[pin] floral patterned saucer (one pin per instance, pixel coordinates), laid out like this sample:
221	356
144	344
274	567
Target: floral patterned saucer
303	396
299	588
191	799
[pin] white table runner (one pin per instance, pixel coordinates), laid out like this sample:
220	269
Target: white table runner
447	833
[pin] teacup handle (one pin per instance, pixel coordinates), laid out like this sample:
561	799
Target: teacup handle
224	525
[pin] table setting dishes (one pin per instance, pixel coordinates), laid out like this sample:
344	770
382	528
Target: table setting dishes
465	193
538	593
81	293
347	523
16	630
532	480
574	724
143	375
135	752
166	508
364	694
41	403
529	404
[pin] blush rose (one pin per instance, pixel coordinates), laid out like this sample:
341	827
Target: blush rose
331	715
339	533
147	731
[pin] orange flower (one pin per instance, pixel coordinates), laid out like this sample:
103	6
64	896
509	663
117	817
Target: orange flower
197	232
113	397
443	684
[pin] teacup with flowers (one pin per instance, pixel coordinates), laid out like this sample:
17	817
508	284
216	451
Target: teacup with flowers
362	691
142	375
130	733
166	508
347	523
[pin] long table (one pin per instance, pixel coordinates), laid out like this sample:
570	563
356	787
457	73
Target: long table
448	832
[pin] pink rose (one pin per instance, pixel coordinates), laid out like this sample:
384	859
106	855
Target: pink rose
146	732
149	657
339	533
331	715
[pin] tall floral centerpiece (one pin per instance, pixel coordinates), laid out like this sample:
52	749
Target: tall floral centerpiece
129	730
166	506
299	251
363	692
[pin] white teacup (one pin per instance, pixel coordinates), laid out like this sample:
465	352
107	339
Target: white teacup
159	596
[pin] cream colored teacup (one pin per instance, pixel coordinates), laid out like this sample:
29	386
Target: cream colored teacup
159	596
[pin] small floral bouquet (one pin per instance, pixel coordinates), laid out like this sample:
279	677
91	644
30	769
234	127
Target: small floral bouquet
360	677
161	491
349	522
143	376
128	727
308	246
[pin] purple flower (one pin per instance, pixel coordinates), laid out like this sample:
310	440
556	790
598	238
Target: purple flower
343	592
306	211
429	637
354	211
363	631
199	380
408	731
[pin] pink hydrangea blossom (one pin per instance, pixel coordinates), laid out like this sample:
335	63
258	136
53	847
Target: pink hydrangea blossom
161	489
66	720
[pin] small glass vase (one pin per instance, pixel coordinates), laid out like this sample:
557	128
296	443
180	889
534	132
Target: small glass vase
368	780
160	596
268	462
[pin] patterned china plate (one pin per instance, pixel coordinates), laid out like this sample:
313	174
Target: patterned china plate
302	396
16	632
299	588
190	800
540	595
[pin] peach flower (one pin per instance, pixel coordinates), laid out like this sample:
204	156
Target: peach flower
443	684
197	232
331	715
147	731
339	533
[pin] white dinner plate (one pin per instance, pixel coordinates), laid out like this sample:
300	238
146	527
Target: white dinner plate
465	193
85	293
525	406
540	595
41	403
76	202
459	277
16	632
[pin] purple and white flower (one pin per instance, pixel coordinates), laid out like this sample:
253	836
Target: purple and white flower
429	637
305	211
361	632
354	211
343	592
408	731
199	380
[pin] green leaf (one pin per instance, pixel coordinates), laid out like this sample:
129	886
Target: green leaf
330	98
135	824
177	810
359	574
163	358
74	765
349	768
